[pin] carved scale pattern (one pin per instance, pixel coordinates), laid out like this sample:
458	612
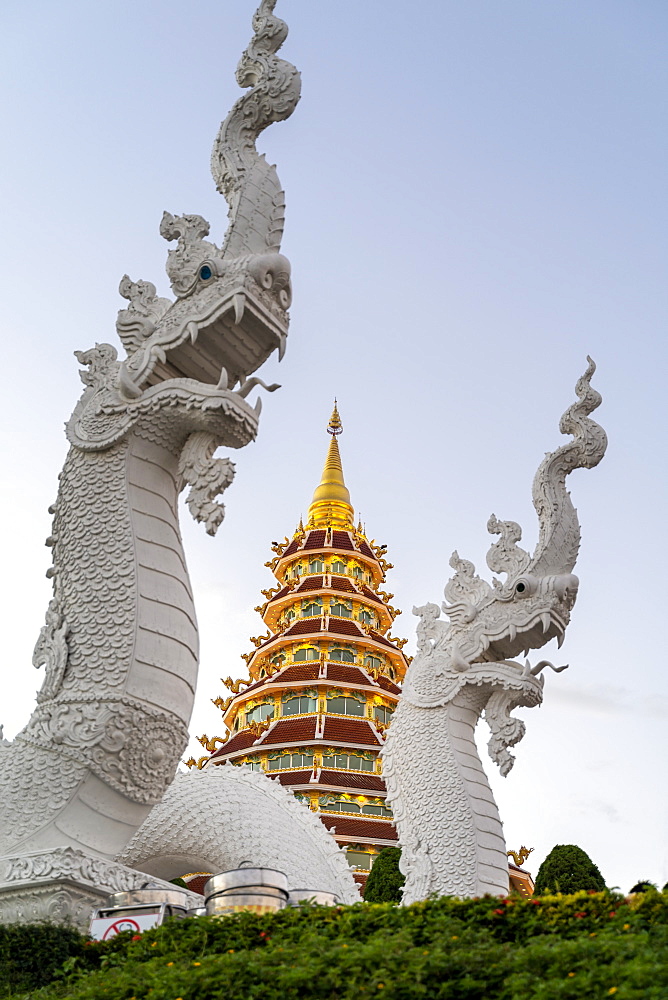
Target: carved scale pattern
220	817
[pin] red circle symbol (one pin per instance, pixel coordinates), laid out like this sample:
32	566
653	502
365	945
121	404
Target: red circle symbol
124	924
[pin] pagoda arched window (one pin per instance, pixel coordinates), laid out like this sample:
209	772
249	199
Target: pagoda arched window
366	616
299	705
383	714
312	608
348	761
343	655
358	572
338	566
316	566
360	860
376	809
330	803
372	662
289	760
345	705
278	660
306	653
260	713
342	609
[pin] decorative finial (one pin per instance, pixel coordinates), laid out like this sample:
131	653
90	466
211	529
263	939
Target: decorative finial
331	505
335	426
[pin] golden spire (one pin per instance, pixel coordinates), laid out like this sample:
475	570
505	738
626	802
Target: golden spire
331	501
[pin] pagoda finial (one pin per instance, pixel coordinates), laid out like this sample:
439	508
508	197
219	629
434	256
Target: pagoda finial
331	504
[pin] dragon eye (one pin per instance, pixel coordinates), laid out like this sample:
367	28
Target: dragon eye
205	272
520	588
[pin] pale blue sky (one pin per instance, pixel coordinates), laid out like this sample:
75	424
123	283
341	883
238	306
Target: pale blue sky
475	201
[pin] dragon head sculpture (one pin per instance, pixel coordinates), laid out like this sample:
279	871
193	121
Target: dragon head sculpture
191	357
491	624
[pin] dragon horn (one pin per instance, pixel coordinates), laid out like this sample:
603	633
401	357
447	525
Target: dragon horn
559	539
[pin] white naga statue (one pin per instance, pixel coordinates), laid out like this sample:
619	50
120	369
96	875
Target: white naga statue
119	645
448	823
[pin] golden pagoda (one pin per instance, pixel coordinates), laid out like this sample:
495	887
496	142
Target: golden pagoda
325	679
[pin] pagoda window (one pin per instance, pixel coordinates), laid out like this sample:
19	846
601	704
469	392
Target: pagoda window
360	859
312	608
278	660
343	655
306	653
288	760
290	614
358	571
342	609
366	617
342	705
316	566
382	713
338	566
300	705
260	713
349	762
372	662
331	804
371	809
392	672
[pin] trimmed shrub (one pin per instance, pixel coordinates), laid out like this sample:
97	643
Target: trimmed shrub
568	868
642	886
31	955
586	945
385	880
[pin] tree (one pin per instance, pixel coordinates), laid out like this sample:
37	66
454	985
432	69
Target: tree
567	868
385	880
642	886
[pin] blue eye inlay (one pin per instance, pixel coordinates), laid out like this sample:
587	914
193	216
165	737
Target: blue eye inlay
205	272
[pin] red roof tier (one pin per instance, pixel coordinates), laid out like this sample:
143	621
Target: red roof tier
366	551
310	583
292	547
357	731
368	828
349	779
370	594
308	626
294	730
345	674
315	540
240	741
307	672
340	583
388	685
342	626
292	777
342	540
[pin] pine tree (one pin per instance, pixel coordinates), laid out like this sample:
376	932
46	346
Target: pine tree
385	880
567	868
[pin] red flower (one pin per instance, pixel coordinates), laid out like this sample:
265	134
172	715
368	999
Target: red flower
500	912
613	913
536	902
580	915
136	937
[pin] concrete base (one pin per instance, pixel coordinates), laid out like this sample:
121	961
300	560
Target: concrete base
64	885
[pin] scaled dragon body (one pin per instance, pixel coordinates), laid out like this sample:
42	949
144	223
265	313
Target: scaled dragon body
448	824
120	640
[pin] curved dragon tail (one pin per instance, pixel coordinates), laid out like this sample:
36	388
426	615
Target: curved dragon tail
250	184
559	539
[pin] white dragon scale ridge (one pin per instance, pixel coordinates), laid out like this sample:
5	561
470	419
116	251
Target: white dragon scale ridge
449	828
120	642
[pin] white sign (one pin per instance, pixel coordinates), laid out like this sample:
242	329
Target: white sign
103	928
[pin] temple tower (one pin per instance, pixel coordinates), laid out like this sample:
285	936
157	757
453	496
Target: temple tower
325	678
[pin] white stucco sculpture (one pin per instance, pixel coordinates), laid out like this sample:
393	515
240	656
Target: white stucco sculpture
119	645
225	817
449	828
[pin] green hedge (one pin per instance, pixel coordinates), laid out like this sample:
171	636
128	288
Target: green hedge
588	945
32	954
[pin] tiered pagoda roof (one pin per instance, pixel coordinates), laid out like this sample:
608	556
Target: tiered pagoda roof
325	679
